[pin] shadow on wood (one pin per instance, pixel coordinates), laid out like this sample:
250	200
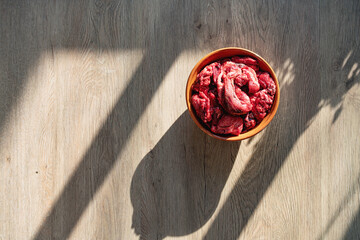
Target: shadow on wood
161	47
177	186
103	152
269	156
302	98
354	227
353	231
157	31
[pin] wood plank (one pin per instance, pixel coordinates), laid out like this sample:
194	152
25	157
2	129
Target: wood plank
96	143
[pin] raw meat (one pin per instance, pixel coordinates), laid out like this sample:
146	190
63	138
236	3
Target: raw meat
204	79
249	121
266	82
262	102
232	96
250	62
236	102
201	104
253	82
228	125
244	60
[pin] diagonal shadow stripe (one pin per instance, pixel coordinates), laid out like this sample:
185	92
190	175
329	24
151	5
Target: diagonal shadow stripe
353	231
251	186
96	164
269	156
344	203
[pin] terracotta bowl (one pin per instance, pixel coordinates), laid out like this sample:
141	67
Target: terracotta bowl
217	55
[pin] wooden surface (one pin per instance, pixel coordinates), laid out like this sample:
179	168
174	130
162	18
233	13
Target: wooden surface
96	142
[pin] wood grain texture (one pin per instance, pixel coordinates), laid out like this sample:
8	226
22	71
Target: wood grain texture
96	143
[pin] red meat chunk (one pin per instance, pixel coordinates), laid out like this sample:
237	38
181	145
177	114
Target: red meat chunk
236	102
249	121
228	125
244	60
217	113
231	69
266	82
211	94
250	62
262	102
201	104
241	80
220	89
254	67
215	109
203	79
216	70
253	82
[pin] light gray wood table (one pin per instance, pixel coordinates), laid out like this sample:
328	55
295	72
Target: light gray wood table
96	141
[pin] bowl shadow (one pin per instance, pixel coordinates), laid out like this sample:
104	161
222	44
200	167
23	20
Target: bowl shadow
177	186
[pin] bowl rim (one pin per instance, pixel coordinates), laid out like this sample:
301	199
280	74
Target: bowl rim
209	58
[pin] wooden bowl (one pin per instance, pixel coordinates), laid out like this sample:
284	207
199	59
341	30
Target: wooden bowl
217	55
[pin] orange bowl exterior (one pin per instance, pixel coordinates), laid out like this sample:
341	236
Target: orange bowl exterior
223	53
